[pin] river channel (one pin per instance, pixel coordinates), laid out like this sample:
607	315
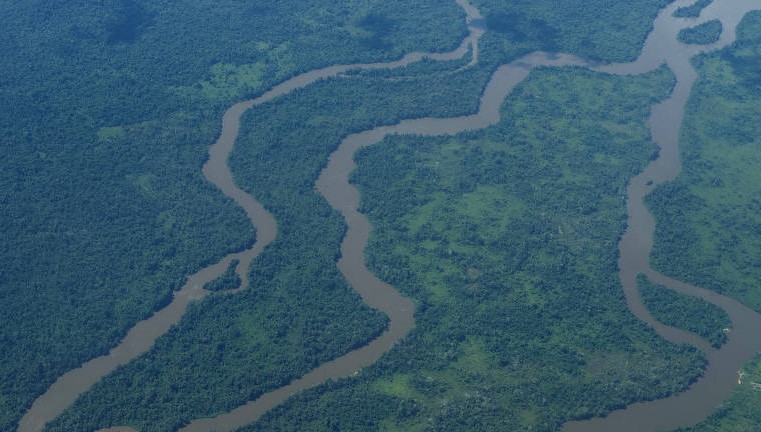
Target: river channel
720	377
681	410
67	388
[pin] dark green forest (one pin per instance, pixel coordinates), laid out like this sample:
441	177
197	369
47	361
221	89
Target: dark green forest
693	10
108	112
227	281
685	312
708	228
301	312
598	30
505	238
703	34
292	156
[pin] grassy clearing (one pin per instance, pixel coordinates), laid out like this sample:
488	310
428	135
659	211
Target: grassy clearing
506	238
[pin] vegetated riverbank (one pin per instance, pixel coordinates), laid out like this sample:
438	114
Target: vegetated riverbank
716	384
485	230
456	125
204	86
713	203
104	205
693	10
702	34
342	207
742	327
216	171
685	312
712	241
143	336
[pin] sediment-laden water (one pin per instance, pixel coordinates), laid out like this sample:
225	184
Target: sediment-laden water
143	335
661	47
334	185
684	409
703	397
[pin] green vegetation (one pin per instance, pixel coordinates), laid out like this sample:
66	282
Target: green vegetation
685	312
593	29
299	312
740	413
107	114
227	281
708	219
703	34
693	10
423	67
506	238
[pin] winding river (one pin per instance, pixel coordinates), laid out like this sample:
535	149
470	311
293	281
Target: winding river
704	396
67	388
333	184
681	410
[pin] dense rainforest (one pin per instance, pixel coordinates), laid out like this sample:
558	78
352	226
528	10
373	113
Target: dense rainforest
693	10
706	33
505	238
289	152
685	312
108	111
708	228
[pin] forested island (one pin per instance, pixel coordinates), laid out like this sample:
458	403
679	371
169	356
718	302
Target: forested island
504	237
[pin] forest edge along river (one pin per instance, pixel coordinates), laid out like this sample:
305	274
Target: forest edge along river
704	396
333	184
140	338
680	410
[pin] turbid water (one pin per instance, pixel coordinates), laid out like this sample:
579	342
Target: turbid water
143	335
661	47
720	377
334	185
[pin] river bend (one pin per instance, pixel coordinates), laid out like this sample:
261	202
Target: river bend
744	341
684	409
140	338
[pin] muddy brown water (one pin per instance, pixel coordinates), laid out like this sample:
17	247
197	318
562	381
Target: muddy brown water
720	377
701	399
64	391
681	410
333	184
